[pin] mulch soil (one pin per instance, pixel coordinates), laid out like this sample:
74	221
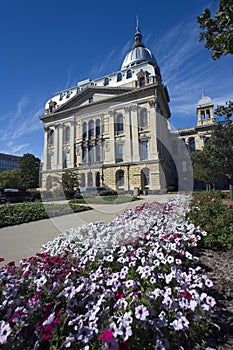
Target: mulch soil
218	265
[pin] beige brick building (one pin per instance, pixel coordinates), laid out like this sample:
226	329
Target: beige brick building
114	131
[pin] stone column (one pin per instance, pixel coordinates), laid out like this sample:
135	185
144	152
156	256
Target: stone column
59	147
45	162
153	130
111	157
128	136
134	130
72	149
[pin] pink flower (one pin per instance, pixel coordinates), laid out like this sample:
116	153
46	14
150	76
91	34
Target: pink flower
187	294
229	205
47	332
106	336
213	200
2	259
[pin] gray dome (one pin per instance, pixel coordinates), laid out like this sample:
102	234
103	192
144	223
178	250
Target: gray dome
138	55
205	100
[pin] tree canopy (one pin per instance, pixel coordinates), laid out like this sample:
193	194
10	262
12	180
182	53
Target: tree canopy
70	181
215	161
217	31
29	167
10	179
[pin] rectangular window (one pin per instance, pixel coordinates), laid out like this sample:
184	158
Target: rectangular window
51	161
98	153
120	153
144	150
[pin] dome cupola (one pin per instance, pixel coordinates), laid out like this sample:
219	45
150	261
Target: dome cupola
139	53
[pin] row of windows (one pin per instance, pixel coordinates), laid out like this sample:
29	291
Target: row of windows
129	75
91	128
6	164
66	135
93	155
90	179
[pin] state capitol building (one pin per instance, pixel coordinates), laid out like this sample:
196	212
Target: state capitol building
115	130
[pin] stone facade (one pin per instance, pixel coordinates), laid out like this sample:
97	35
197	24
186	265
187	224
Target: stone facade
114	131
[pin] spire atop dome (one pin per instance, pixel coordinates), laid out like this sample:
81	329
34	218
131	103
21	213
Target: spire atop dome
137	25
137	36
139	53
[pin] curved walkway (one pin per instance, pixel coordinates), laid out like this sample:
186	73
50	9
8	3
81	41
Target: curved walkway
22	241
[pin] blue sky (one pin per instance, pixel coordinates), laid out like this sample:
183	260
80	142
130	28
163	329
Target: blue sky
50	45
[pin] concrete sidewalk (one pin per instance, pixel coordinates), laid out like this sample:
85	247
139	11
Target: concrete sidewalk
22	241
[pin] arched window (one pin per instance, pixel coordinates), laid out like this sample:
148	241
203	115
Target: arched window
84	130
120	178
119	77
67	133
91	128
90	179
119	123
82	180
143	118
106	81
51	137
97	127
129	74
145	178
97	179
192	144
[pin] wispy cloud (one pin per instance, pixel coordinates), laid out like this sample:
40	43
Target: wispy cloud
21	125
187	68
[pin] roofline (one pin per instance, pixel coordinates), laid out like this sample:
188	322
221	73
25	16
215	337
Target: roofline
126	91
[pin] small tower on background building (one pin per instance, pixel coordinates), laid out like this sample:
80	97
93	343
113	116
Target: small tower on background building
205	112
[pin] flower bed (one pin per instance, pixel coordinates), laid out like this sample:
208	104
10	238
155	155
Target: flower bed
134	284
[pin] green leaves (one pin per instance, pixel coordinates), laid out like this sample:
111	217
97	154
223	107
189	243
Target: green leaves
29	167
218	31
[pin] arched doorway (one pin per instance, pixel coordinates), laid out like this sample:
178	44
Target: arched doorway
97	179
120	180
145	179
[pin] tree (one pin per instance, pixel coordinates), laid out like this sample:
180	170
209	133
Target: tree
10	179
29	167
70	181
220	149
218	31
216	159
203	170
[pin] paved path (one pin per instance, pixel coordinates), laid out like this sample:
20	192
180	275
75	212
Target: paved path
22	241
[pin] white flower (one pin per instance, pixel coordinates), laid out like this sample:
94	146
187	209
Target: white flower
5	331
141	312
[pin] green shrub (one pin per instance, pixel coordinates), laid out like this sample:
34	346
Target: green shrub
21	213
208	211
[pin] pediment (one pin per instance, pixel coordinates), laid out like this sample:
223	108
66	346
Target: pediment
92	95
